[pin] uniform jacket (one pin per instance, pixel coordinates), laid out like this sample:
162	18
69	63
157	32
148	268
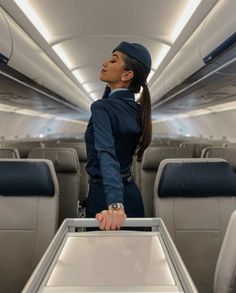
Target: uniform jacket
112	135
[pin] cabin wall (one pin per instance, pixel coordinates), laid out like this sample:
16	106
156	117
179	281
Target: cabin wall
212	126
216	125
17	126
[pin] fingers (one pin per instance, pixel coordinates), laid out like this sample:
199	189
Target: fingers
111	219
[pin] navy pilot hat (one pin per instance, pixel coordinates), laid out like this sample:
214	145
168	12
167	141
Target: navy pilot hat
136	51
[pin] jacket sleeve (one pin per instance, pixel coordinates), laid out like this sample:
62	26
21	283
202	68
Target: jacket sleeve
105	147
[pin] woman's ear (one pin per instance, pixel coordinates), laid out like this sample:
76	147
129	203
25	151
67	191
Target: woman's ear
127	75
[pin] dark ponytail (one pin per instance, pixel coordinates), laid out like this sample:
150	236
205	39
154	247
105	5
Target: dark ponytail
146	123
139	79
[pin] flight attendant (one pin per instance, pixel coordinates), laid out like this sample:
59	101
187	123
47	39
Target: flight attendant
118	128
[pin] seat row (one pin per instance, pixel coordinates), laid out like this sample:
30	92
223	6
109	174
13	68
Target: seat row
73	182
29	205
145	171
195	197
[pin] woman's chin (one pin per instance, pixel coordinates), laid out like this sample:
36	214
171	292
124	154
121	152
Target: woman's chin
102	78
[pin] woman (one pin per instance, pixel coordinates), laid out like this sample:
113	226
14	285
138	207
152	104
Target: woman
118	127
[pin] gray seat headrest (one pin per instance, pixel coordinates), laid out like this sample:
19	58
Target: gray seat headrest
64	159
202	179
22	178
154	155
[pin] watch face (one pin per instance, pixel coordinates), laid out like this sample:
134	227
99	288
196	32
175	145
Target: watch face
114	205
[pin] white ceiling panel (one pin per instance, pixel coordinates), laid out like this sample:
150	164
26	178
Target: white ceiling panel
90	73
89	51
81	34
73	18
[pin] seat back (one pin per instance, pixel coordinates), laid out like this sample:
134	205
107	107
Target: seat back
195	198
80	148
9	153
66	164
28	218
149	166
195	147
225	276
229	154
24	147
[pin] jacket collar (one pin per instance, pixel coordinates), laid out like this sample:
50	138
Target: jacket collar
122	93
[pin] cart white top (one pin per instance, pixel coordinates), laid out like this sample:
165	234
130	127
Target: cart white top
112	262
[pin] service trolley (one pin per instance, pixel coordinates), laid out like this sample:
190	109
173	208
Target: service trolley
111	261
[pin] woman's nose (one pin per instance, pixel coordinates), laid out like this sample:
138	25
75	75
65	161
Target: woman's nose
105	63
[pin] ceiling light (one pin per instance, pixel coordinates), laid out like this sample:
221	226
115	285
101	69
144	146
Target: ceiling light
223	107
93	96
150	75
199	112
184	18
78	76
67	120
33	17
7	108
87	88
164	50
27	112
60	52
48	116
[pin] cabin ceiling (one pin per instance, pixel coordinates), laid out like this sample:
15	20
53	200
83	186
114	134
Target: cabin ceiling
212	85
19	93
87	31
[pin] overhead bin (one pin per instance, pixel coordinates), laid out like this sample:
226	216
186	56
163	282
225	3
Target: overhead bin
210	34
28	58
218	29
5	40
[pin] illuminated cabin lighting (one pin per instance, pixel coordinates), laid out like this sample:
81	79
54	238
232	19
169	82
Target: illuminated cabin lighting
78	76
150	75
7	108
48	116
229	106
60	52
182	21
40	26
34	18
163	52
27	112
93	96
184	18
87	88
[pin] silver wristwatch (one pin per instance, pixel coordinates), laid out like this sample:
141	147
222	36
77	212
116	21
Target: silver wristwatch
115	206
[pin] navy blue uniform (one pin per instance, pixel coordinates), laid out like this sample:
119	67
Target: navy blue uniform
111	138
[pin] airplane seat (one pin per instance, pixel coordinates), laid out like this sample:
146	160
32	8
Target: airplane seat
149	166
24	147
66	164
9	153
195	198
28	218
227	153
225	276
80	148
82	153
136	166
196	148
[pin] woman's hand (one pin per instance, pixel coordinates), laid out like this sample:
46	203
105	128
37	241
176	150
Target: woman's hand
111	219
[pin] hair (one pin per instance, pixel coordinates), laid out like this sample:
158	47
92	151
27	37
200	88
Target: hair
139	79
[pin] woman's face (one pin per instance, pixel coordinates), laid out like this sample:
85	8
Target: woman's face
113	71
